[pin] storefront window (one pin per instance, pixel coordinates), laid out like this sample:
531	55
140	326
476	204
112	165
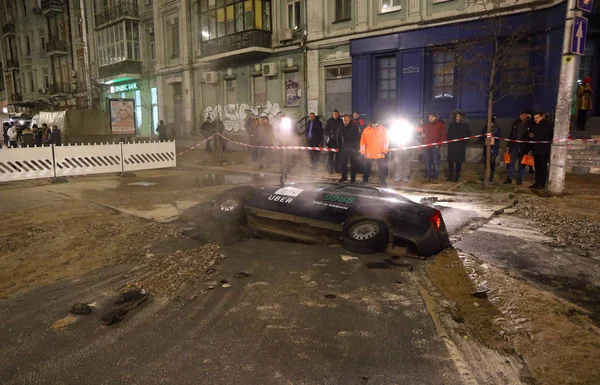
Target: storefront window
154	102
138	109
222	18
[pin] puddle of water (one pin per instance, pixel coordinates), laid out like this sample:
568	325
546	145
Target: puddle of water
143	184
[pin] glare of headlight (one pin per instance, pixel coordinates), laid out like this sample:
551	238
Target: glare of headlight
401	131
21	122
286	124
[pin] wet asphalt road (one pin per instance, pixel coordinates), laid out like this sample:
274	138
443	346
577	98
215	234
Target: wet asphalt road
303	316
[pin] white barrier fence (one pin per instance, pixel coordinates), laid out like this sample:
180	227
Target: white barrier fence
70	160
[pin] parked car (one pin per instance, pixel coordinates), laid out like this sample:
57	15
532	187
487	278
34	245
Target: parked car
368	219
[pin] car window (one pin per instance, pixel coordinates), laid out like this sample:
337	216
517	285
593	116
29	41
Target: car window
359	190
312	186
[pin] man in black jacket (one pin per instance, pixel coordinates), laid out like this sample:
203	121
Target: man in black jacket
314	138
520	131
207	129
332	131
349	146
542	130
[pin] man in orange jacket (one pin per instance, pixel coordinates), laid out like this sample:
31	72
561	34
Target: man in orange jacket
374	145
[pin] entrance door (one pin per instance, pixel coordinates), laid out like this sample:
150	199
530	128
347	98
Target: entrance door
338	90
178	108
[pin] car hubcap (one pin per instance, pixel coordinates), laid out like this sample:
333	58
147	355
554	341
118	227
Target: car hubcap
229	205
364	231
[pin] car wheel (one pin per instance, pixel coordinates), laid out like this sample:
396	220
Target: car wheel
229	207
365	236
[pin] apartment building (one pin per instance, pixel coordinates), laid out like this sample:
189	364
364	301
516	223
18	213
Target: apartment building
230	57
42	53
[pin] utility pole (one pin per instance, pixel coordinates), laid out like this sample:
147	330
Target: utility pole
569	68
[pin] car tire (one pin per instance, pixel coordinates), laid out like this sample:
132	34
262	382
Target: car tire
229	207
365	236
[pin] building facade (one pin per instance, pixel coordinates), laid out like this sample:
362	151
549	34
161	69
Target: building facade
183	61
42	55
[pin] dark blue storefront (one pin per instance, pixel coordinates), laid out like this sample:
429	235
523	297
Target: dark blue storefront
412	73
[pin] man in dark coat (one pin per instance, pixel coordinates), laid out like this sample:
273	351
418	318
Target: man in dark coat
38	135
542	130
220	128
519	131
207	129
332	129
314	138
5	128
162	131
458	128
349	148
55	136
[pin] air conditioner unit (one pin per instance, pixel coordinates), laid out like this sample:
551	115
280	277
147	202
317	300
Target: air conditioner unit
37	11
288	34
269	69
210	77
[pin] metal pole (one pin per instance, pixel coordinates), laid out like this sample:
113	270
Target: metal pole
569	68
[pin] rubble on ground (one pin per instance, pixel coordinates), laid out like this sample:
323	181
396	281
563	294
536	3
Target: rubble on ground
166	274
568	230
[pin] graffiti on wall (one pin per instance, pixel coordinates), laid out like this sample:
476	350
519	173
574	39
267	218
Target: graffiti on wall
293	93
234	115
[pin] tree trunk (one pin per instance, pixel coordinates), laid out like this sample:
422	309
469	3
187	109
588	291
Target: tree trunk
488	142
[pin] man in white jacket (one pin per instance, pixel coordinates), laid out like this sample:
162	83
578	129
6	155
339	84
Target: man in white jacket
12	136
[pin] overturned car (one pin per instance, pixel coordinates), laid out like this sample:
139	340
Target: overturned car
368	219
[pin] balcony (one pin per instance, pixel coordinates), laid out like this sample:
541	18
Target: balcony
122	10
14	97
128	68
8	29
51	7
56	47
59	89
257	39
12	64
25	61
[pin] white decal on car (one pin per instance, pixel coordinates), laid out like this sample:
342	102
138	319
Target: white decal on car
330	205
289	191
277	198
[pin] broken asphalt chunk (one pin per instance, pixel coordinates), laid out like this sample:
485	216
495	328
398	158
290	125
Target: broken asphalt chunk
80	308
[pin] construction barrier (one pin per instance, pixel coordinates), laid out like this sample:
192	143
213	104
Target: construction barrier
87	159
26	163
143	156
70	160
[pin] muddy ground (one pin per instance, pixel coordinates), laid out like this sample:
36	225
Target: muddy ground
153	229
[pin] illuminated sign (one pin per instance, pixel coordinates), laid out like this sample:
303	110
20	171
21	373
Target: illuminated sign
124	87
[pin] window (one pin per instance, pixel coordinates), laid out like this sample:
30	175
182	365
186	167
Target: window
138	109
220	18
231	91
27	46
177	90
118	43
46	78
175	38
154	102
443	75
390	5
42	39
342	10
517	76
294	14
259	91
387	78
338	72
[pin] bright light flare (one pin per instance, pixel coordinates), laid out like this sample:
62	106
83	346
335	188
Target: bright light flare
401	131
286	124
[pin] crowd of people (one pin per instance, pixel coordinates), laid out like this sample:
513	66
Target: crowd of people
15	135
361	146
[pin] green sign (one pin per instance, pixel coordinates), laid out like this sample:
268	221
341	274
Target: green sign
124	87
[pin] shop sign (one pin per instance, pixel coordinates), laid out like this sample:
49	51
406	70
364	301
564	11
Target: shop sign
124	87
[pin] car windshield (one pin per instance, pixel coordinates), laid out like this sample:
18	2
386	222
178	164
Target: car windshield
313	186
359	190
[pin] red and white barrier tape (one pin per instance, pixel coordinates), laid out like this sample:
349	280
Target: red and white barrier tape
196	145
327	149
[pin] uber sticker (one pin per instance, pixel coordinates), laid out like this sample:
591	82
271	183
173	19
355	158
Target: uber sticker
289	191
277	198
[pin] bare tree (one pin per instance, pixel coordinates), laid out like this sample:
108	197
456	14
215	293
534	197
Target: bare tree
492	62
